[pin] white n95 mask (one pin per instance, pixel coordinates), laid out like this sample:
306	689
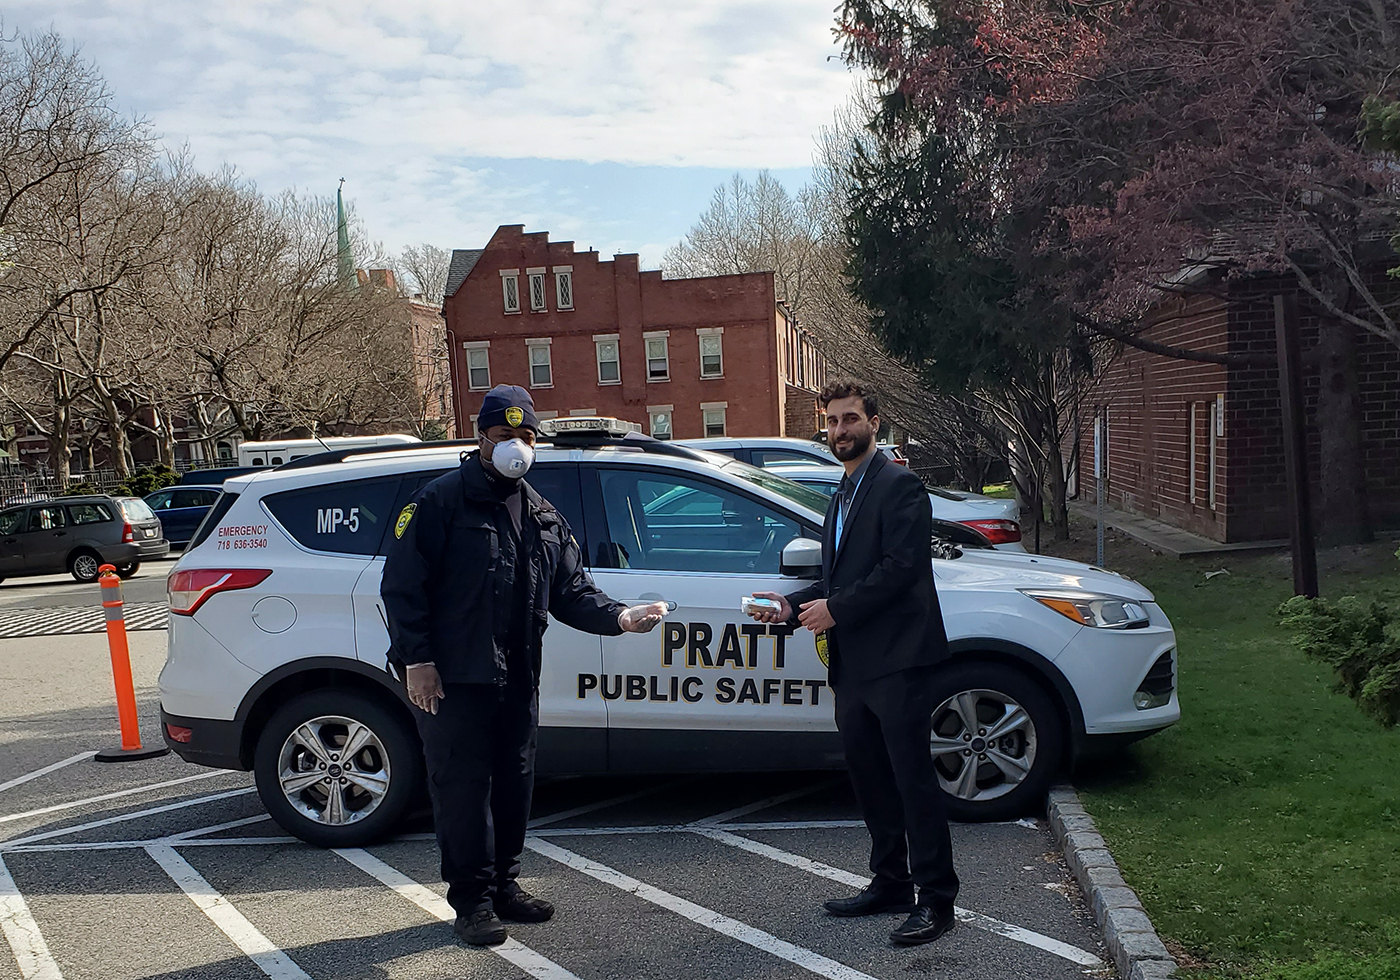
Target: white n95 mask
513	458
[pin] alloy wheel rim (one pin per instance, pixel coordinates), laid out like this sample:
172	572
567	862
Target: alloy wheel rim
333	770
983	744
86	566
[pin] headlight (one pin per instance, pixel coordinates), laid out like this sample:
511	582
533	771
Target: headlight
1101	611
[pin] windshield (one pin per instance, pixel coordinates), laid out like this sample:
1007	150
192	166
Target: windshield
136	510
781	485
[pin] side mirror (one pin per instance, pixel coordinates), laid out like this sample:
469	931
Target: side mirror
802	558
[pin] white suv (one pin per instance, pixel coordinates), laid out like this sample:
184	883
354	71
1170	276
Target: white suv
277	657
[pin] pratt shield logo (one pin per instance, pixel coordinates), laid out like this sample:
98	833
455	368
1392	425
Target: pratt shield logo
405	515
823	651
514	416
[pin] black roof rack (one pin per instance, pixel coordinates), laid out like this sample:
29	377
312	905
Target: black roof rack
634	441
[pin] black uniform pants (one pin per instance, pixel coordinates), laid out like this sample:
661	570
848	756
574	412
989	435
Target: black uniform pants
885	726
480	751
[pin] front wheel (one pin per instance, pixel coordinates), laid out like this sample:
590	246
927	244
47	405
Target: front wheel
128	568
337	768
997	741
83	566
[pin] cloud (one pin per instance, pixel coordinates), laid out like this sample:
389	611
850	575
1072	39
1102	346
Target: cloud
302	92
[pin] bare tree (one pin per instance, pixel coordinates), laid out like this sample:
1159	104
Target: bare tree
425	268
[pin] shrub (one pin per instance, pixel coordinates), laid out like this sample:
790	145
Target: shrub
1360	641
81	489
149	481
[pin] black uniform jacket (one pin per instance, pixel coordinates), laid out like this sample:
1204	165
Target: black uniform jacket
878	584
441	590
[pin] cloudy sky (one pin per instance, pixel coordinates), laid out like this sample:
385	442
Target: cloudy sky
608	122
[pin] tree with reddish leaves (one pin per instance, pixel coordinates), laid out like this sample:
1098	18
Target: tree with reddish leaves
1129	142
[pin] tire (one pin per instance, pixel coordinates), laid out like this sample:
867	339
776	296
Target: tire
128	569
1010	778
83	565
353	814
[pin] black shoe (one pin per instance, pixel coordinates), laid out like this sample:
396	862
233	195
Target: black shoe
480	928
923	926
873	900
520	906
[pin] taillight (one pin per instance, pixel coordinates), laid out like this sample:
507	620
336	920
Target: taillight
997	532
179	733
900	462
128	534
188	590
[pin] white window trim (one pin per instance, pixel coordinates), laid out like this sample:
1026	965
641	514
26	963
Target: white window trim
542	416
701	334
582	413
653	411
561	272
713	405
662	335
473	345
547	344
721	407
599	339
505	295
531	276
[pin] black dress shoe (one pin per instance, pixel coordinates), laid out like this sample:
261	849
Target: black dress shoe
480	928
520	906
924	925
873	900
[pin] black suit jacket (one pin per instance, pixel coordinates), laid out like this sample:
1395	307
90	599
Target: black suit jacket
878	583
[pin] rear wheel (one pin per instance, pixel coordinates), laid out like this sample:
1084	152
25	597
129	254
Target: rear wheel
337	768
997	741
128	569
83	565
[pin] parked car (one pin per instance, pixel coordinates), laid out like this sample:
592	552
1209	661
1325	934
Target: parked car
216	476
998	520
780	450
277	646
79	535
181	508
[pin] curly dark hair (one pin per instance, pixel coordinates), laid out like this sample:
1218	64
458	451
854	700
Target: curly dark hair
834	390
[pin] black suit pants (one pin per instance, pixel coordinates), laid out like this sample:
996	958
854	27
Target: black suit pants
480	751
885	726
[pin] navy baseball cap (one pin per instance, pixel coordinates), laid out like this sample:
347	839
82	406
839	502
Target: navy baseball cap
507	405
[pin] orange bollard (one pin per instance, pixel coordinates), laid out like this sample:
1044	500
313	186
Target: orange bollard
121	674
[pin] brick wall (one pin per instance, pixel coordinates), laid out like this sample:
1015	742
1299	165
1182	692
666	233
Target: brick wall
615	297
800	417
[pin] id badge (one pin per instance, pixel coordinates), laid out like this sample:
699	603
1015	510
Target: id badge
823	650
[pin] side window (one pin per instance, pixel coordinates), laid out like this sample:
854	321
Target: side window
206	498
160	501
559	485
189	498
408	490
768	457
88	513
665	522
46	518
349	518
11	522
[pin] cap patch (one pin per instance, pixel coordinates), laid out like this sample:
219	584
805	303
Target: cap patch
405	515
514	416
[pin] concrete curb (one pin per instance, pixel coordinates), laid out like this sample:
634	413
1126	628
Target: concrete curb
1132	942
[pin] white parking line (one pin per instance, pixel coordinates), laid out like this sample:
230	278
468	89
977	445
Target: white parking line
257	947
22	933
191	834
710	919
122	818
744	811
1064	950
579	811
21	780
111	796
435	905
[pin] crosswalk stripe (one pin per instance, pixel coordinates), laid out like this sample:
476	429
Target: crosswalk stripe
65	620
22	932
709	918
522	956
231	922
123	817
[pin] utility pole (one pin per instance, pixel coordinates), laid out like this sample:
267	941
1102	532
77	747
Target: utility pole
1295	448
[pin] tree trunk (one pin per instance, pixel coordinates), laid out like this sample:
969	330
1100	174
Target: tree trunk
1343	515
1059	506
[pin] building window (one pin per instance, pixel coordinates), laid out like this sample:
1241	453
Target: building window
564	287
714	413
659	421
609	362
541	367
658	357
712	352
478	365
510	289
537	303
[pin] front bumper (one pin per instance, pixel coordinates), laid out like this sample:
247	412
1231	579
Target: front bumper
1107	668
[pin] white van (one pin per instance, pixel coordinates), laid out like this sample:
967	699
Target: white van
275	452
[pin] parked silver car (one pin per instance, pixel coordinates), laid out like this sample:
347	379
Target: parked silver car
79	535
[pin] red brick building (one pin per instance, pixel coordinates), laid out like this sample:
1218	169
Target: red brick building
1200	446
685	358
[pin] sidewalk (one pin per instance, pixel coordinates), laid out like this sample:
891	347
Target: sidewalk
1166	538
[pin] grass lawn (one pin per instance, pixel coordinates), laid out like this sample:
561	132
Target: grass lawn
1263	831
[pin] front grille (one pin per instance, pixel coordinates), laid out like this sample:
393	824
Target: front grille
1158	681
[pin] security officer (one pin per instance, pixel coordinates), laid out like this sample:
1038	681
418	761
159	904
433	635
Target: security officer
479	559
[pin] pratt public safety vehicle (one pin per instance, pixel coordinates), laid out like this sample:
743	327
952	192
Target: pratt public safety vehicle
277	657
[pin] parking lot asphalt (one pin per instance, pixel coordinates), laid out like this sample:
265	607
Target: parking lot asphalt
162	869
